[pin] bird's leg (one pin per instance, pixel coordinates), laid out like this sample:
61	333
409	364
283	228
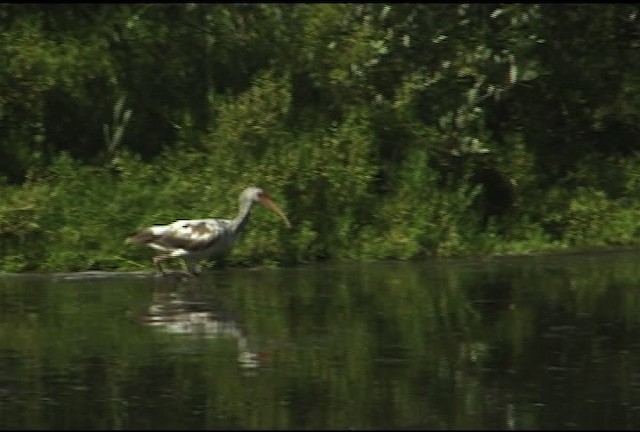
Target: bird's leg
197	269
157	261
192	268
184	265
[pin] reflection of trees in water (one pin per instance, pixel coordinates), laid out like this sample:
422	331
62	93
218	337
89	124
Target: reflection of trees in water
178	310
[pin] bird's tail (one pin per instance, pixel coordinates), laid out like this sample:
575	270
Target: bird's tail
141	237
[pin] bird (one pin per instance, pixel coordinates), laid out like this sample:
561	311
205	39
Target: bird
197	239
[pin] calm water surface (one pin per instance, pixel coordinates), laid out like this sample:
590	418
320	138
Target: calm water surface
519	343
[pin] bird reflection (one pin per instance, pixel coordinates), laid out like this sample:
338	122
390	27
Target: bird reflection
178	310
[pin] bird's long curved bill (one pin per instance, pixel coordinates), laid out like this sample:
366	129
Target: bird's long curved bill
266	201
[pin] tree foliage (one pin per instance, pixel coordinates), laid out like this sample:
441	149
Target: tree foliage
386	131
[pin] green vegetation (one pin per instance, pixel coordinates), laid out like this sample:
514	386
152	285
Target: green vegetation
384	131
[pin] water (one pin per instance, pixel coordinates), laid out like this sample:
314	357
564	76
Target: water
521	343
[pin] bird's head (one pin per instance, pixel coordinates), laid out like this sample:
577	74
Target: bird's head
257	194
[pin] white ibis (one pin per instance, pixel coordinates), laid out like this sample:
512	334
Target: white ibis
197	239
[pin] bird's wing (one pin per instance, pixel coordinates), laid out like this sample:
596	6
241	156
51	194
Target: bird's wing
192	234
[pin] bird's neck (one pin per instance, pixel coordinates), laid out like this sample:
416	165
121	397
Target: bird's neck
243	216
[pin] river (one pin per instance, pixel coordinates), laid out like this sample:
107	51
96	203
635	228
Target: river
536	342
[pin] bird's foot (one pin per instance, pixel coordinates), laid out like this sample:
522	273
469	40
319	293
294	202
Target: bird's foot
184	274
190	274
193	270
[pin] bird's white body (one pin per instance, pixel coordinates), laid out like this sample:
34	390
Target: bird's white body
197	239
203	237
